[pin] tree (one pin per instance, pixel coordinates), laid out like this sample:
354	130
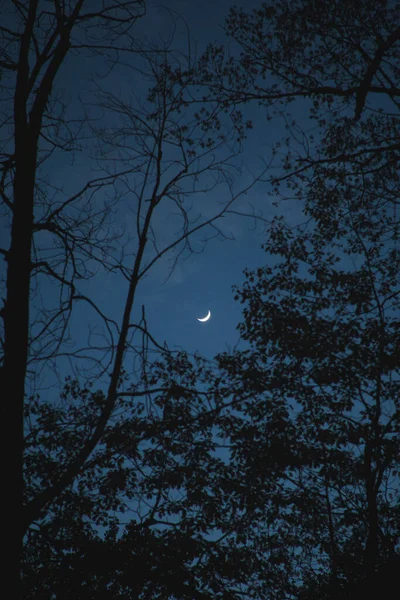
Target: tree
30	62
274	474
306	418
337	64
323	325
324	335
155	486
341	52
61	237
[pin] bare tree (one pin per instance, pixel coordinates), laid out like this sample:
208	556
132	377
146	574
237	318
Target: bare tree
166	158
160	153
36	39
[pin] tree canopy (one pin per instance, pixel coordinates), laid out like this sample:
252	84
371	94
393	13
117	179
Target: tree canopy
272	471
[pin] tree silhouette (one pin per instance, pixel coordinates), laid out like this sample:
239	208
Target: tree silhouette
58	238
305	420
323	328
272	472
30	61
323	325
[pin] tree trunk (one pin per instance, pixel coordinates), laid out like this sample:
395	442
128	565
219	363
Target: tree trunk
16	328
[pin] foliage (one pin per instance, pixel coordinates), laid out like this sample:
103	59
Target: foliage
273	472
321	317
152	513
323	327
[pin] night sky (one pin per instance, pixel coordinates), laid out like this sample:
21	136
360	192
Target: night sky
201	281
204	281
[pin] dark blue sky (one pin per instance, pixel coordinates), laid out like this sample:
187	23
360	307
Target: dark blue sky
204	281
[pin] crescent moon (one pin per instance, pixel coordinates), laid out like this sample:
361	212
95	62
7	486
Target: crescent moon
205	318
